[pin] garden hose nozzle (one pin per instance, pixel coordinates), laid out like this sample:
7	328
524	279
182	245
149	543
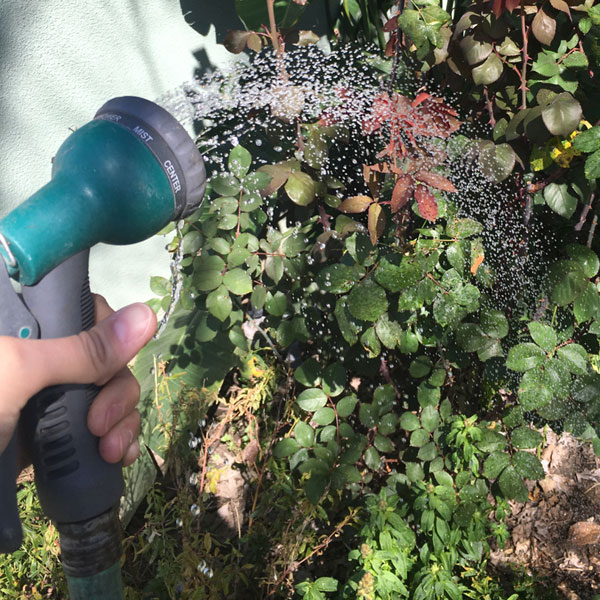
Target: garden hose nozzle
119	179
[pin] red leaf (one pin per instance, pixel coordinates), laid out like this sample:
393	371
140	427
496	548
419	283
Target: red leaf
402	193
355	204
420	98
499	6
376	222
435	180
392	24
390	47
426	203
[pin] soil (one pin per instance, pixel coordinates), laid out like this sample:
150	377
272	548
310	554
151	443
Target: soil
556	535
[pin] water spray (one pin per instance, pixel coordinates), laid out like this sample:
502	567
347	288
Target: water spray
119	180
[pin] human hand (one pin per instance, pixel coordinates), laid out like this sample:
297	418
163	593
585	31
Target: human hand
97	356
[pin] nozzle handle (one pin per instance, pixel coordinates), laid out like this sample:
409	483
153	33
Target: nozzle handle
11	533
74	483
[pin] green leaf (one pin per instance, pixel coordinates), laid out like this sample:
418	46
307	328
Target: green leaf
586	258
419	437
525	438
336	279
559	199
562	115
345	474
314	488
219	303
301	188
470	337
474	50
430	418
308	373
420	367
239	161
587	304
383	443
463	228
512	485
528	465
225	184
543	335
494	464
414	472
427	452
311	399
388	331
334	379
238	282
410	422
491	441
258	297
592	166
161	286
367	301
274	268
326	584
523	357
497	160
304	434
575	60
387	424
567	280
368	415
345	406
488	72
276	304
285	448
394	274
349	328
588	141
372	458
324	416
575	358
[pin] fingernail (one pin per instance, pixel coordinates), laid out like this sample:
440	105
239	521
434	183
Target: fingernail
131	322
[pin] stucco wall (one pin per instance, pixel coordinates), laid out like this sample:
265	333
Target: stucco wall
60	61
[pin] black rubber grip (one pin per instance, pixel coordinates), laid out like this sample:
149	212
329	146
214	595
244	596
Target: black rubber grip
11	534
74	483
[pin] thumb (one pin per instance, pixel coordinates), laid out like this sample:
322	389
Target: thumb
93	356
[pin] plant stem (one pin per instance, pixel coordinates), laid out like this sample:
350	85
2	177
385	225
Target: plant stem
584	213
592	230
273	25
525	33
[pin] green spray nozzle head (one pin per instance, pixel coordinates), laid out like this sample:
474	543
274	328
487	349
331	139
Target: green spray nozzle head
119	179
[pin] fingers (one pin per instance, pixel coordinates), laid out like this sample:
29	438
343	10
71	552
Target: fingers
120	443
93	356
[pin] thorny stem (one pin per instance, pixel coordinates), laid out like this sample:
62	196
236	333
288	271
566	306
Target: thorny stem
489	106
584	213
592	230
177	284
273	25
525	33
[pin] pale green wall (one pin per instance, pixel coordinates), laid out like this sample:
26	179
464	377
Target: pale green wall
60	61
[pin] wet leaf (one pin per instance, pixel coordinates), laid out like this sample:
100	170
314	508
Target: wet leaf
474	50
592	166
543	335
239	161
497	161
512	485
488	72
587	304
285	448
304	434
494	323
301	188
588	141
528	465
219	303
435	180
543	27
372	458
494	464
401	193
345	406
337	279
409	421
376	222
525	438
562	115
312	399
523	357
238	282
367	301
586	258
575	358
278	173
426	202
567	280
324	416
355	204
